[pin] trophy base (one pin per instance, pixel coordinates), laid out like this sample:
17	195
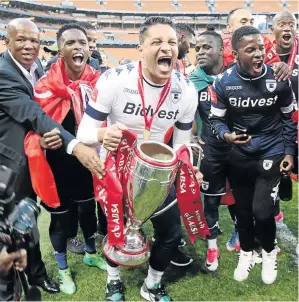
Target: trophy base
124	256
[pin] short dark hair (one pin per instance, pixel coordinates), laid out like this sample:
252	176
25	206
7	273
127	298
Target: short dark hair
66	27
211	32
150	22
184	28
86	25
232	12
241	32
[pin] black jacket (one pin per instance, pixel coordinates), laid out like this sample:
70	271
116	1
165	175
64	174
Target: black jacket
18	115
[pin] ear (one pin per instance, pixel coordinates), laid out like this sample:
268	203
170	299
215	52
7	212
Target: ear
140	50
229	28
221	50
7	42
272	28
235	54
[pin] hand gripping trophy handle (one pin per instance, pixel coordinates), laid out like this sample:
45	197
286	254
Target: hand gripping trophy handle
200	154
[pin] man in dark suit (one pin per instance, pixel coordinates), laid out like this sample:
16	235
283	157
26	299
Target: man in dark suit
19	71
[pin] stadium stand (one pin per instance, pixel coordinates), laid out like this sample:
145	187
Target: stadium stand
263	6
117	21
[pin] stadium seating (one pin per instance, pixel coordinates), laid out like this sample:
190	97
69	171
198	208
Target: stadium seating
265	6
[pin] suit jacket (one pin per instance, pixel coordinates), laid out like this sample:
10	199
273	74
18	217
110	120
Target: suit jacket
18	115
91	62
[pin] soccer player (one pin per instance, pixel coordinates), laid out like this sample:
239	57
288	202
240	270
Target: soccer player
66	89
263	144
214	166
185	36
286	43
237	18
119	101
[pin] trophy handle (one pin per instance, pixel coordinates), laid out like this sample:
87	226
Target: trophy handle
200	153
164	209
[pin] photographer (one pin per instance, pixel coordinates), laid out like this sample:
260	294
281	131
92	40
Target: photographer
7	260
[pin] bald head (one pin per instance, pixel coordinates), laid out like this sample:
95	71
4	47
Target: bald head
237	18
284	30
23	41
20	23
284	15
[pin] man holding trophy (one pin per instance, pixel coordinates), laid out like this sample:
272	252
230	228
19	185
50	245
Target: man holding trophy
147	98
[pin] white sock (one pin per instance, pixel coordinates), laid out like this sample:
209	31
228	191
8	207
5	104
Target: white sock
212	244
153	277
113	273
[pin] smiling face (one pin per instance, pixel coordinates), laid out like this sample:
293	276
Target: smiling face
208	52
159	52
251	54
241	17
23	43
74	51
284	30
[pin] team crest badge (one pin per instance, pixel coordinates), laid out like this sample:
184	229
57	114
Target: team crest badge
205	185
176	94
297	59
267	164
271	85
87	94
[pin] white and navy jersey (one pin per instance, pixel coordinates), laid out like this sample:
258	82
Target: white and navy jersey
118	101
261	106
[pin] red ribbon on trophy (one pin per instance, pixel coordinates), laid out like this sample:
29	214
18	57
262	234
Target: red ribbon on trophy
109	192
189	199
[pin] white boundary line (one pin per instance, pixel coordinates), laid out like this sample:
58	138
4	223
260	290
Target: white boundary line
289	241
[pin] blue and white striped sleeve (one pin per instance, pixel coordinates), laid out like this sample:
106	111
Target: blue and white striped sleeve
97	111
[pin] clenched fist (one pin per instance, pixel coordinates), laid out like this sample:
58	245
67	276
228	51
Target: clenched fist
112	136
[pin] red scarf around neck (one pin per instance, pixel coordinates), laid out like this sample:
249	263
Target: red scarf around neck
56	95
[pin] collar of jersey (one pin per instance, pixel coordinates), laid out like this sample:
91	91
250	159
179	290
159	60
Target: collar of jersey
151	83
252	79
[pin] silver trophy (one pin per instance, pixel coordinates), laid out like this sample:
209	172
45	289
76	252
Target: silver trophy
148	176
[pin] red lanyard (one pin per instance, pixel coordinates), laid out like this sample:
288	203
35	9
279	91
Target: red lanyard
163	95
293	55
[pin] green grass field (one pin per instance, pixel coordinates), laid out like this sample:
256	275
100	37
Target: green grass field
192	283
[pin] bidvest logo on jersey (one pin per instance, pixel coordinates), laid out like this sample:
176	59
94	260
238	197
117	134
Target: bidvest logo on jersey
239	102
131	108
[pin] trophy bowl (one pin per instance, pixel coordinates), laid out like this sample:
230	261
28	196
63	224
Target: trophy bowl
149	173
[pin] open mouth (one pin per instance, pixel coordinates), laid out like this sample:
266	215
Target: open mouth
286	38
78	58
164	63
28	55
257	66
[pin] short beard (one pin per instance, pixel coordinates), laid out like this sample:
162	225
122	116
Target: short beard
181	54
